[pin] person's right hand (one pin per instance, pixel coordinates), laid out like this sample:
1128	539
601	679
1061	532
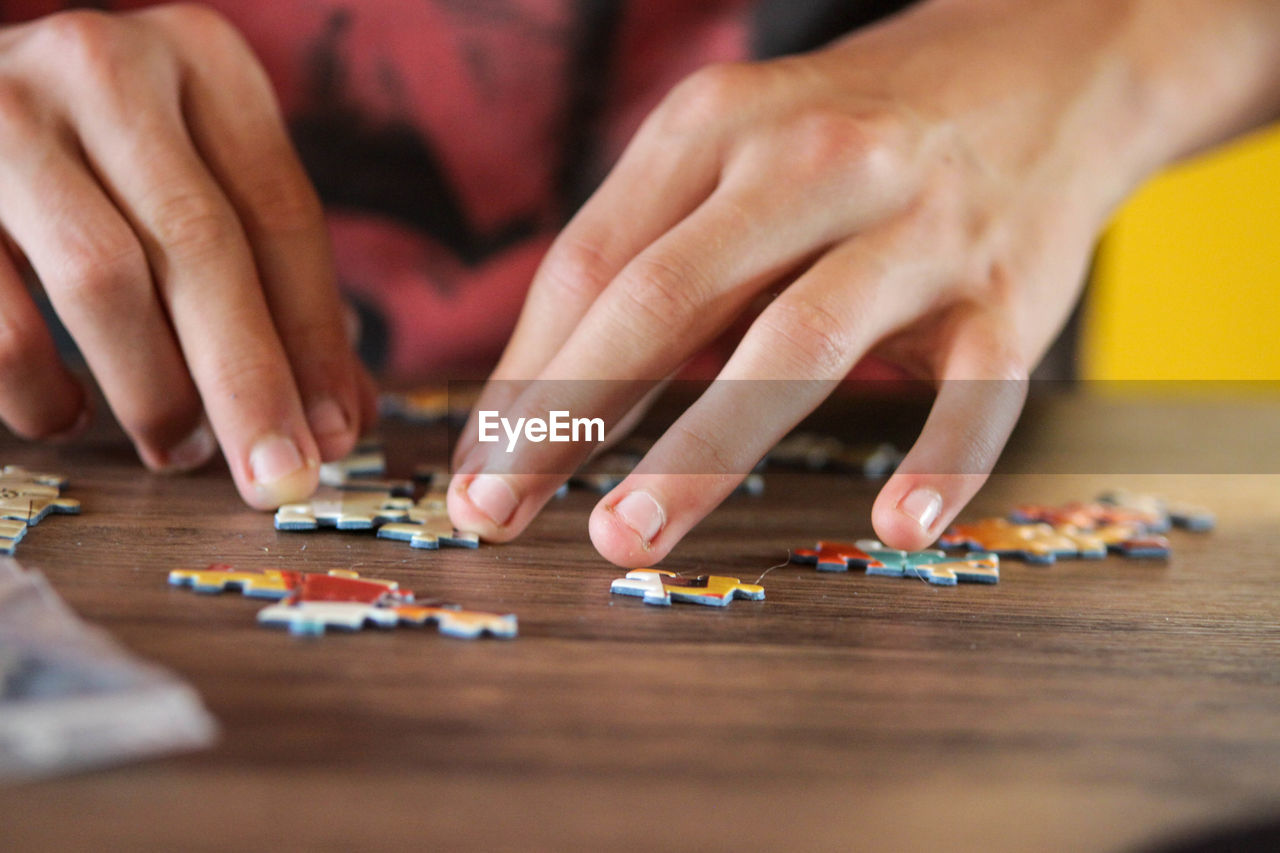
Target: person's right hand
148	180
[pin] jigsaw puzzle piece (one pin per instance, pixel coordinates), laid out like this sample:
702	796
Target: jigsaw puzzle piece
267	583
1034	543
1089	516
32	509
428	527
934	566
345	511
16	473
1196	519
645	584
836	557
346	586
313	618
366	460
11	533
1133	541
715	590
452	621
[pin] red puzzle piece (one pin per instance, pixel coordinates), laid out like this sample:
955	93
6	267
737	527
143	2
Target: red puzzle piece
836	557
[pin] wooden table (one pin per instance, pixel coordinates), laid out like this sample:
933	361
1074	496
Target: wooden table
1087	706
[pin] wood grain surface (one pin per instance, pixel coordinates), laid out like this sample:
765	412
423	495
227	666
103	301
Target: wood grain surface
1104	705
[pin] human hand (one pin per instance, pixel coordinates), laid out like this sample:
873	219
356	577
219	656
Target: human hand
926	194
150	184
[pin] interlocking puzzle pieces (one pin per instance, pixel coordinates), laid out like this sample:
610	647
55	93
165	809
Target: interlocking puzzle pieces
661	588
344	510
26	499
428	526
936	567
309	603
1043	543
314	617
1196	519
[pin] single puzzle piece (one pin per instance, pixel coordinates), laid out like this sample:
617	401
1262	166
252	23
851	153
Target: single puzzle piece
1196	519
428	527
836	557
11	533
344	510
17	473
1034	543
219	577
934	566
661	588
32	509
366	460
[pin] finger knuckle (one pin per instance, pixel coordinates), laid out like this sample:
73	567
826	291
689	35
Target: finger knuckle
88	44
710	92
666	291
280	202
576	272
99	267
816	341
818	144
193	223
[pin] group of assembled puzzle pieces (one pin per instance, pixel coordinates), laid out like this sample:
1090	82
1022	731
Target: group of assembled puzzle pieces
1118	522
352	497
26	497
307	603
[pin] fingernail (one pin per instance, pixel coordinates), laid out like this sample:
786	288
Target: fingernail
642	514
193	451
923	506
273	458
493	496
325	417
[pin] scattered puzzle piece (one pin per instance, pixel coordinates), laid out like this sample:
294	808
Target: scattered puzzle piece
16	473
836	557
1090	516
366	460
1196	519
345	511
32	509
11	533
661	588
26	499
